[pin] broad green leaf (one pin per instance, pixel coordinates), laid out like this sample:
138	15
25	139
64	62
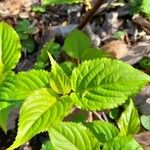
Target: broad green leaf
93	53
76	44
103	131
59	81
9	47
122	143
129	122
145	121
72	136
24	83
105	83
46	2
40	111
5	107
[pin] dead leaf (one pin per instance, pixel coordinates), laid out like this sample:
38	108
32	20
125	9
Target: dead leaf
14	7
137	52
143	100
145	24
111	24
117	48
144	139
13	119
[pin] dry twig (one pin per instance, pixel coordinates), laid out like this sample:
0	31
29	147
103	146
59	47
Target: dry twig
145	24
90	14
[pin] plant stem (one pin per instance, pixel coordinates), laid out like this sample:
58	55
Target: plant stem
104	116
90	14
98	115
78	61
90	117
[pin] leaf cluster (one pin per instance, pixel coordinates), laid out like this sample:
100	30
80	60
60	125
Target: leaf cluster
141	6
94	82
25	30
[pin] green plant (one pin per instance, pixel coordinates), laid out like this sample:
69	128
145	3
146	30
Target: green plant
47	145
145	63
9	56
95	84
119	34
145	121
25	30
42	59
141	6
49	2
39	9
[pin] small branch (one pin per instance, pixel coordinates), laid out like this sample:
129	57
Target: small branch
104	116
98	115
139	20
90	14
78	61
90	117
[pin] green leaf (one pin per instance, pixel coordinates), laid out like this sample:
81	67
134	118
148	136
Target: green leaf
59	81
6	85
129	122
93	53
67	67
145	121
145	63
135	5
4	114
42	59
103	131
105	83
76	44
122	143
28	45
40	111
145	7
39	9
119	34
24	27
47	145
72	136
23	84
9	47
5	108
114	113
46	2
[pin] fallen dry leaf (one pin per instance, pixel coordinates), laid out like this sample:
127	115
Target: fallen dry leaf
116	48
145	24
143	100
137	52
14	7
144	139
